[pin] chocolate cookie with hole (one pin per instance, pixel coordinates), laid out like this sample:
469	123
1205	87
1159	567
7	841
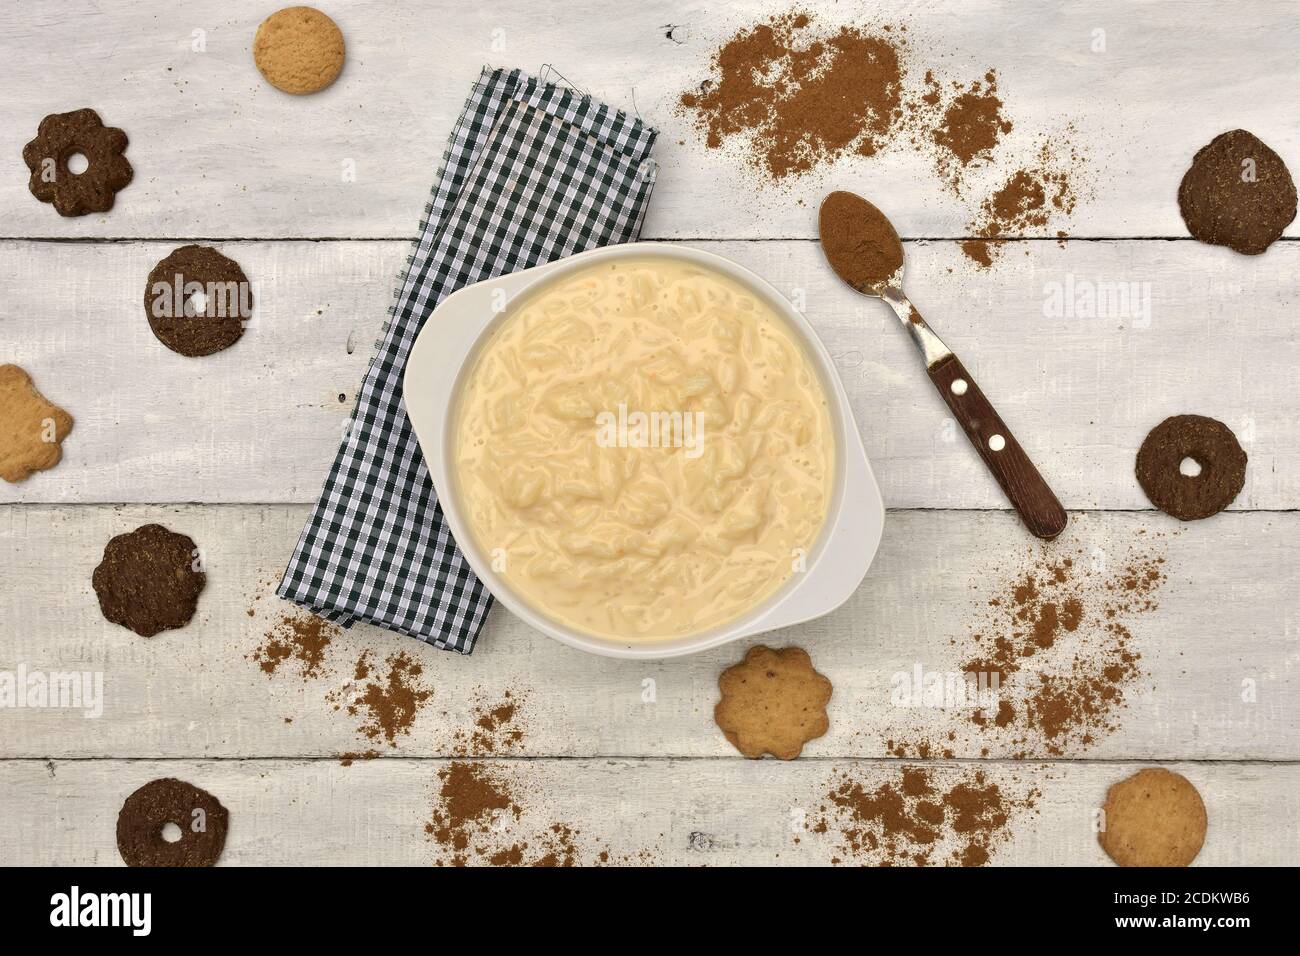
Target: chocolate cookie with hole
197	301
53	157
196	835
1191	467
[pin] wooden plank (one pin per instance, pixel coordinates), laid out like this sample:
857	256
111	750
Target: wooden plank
1203	332
1225	624
218	152
670	812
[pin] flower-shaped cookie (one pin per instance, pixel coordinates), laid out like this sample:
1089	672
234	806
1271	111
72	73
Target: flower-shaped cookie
64	135
31	428
772	702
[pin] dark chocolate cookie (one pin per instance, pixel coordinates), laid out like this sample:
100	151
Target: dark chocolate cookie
199	815
1207	442
147	580
1237	193
63	135
173	310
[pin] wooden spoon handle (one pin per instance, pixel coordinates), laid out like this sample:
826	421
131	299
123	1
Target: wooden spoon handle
1020	480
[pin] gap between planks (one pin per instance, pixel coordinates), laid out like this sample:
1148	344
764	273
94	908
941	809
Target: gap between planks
1028	762
108	240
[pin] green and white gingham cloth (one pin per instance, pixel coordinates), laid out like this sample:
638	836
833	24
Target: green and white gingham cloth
533	172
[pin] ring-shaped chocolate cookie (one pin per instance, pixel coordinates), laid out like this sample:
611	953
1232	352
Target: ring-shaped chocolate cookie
199	816
64	135
191	325
1209	443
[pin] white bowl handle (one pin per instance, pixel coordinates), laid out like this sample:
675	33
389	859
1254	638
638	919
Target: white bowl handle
854	537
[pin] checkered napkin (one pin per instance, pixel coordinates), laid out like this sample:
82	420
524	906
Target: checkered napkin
534	172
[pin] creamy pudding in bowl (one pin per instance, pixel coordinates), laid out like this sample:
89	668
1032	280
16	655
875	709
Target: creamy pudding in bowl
642	451
643	448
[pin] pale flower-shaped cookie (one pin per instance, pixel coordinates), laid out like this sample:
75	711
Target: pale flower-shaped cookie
31	429
772	702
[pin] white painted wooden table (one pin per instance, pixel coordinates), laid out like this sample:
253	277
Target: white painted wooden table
232	449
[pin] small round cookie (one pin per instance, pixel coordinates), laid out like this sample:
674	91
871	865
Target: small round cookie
299	50
199	816
772	702
1237	193
147	581
1154	818
62	136
1213	447
173	310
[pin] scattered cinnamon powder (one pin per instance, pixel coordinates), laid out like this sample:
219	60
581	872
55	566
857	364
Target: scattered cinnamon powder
497	728
914	819
388	704
792	96
472	801
1027	202
346	759
477	817
295	636
797	96
981	251
1054	639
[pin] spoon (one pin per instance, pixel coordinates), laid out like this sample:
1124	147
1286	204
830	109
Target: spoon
864	250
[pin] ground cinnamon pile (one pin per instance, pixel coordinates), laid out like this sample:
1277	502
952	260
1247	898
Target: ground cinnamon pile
298	637
792	96
919	817
799	97
973	122
965	121
796	96
351	756
387	703
477	818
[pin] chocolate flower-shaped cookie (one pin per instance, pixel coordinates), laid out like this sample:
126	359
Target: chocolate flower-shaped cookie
63	135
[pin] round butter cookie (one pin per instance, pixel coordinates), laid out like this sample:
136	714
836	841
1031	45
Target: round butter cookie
1154	818
299	50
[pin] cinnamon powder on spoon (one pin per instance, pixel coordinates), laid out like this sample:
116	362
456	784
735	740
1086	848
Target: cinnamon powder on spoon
859	243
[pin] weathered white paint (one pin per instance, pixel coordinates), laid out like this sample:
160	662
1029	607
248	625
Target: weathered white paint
261	421
1224	618
676	812
218	152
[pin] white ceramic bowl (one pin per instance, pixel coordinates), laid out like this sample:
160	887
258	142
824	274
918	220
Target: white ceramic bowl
443	355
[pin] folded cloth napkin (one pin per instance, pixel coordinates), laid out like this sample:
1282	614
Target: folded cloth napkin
534	172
